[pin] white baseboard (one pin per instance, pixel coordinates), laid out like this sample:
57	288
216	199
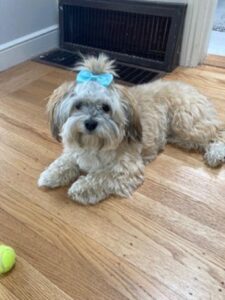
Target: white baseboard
28	46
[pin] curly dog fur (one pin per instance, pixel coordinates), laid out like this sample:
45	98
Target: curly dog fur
132	125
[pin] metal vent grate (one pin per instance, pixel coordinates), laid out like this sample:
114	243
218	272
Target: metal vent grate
135	34
127	74
143	36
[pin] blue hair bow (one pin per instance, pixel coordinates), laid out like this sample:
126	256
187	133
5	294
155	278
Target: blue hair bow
104	79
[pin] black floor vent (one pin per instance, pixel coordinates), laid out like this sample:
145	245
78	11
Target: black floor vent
127	74
138	32
122	32
143	36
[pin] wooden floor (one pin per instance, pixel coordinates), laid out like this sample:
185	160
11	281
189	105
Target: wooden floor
167	242
215	60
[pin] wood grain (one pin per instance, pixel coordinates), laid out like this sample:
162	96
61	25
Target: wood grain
167	242
215	60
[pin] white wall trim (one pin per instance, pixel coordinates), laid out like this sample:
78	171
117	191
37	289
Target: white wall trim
28	37
28	46
197	30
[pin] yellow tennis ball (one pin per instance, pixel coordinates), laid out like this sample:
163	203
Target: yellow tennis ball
7	258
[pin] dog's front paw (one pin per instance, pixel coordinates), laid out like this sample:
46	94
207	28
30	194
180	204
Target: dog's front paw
48	179
84	193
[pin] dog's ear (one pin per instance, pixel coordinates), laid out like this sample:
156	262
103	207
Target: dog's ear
133	128
54	108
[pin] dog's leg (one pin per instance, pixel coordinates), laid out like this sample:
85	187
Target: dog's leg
215	150
202	134
121	180
152	147
215	154
60	173
149	155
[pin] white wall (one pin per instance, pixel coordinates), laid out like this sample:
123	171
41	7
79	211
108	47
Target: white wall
197	30
25	16
27	28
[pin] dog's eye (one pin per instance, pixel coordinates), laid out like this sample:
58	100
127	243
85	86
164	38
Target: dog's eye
78	105
106	108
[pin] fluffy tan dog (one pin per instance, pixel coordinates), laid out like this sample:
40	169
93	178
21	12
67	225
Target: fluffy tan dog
110	132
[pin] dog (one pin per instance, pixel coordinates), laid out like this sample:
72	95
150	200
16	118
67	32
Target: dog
110	131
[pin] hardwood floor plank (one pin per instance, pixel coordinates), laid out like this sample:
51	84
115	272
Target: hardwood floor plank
82	277
6	294
65	243
189	181
19	76
26	283
215	61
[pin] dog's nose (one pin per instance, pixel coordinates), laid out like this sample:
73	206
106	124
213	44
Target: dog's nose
90	124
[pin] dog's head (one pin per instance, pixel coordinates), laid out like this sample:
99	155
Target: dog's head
94	113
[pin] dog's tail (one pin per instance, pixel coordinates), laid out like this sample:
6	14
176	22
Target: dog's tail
215	150
97	64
